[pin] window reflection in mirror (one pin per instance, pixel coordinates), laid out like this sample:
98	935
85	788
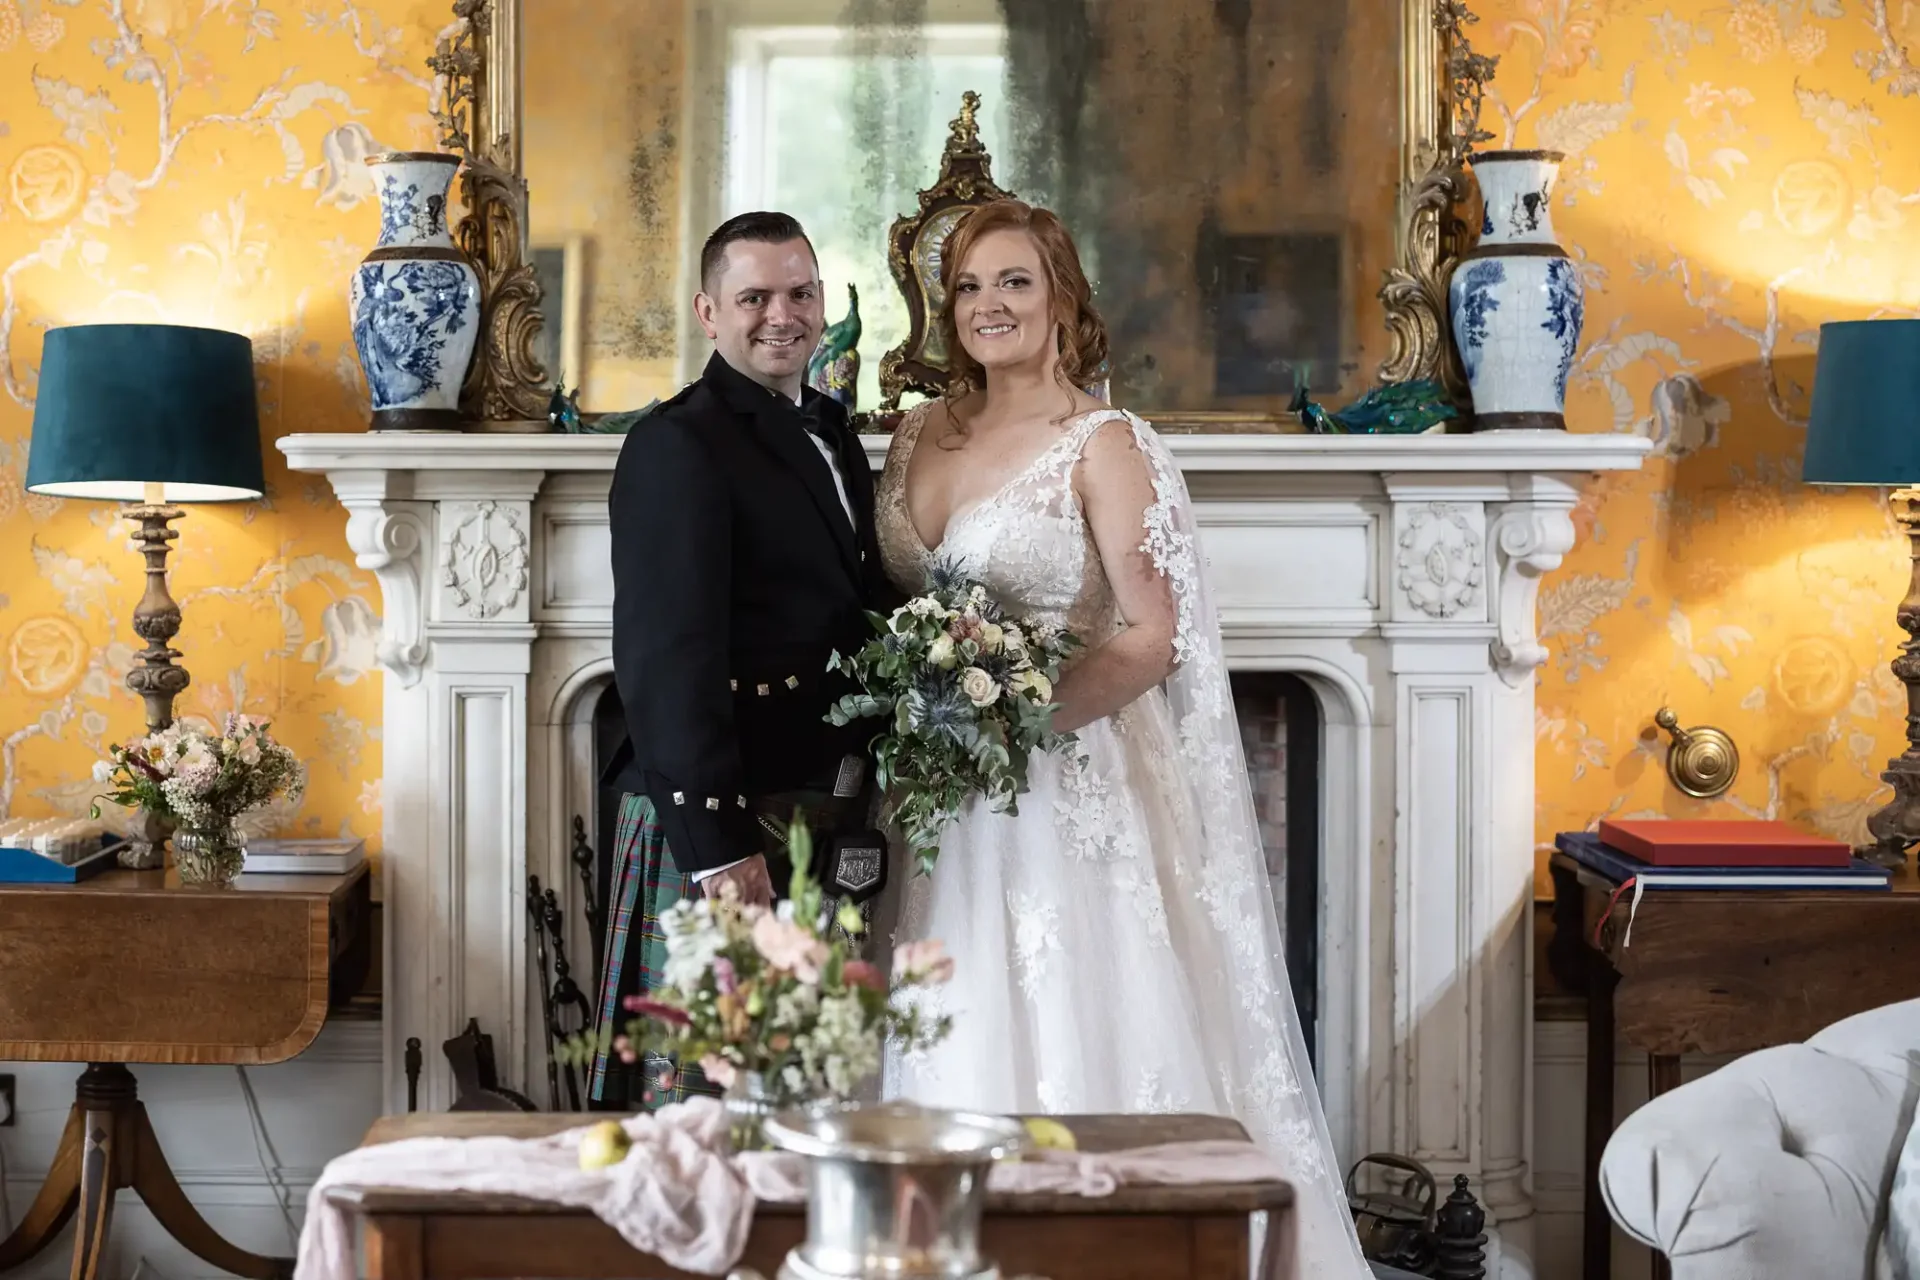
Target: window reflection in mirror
1229	167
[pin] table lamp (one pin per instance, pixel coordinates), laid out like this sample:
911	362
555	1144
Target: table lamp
148	415
1866	430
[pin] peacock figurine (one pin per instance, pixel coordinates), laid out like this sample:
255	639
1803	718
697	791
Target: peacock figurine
563	410
1392	409
834	369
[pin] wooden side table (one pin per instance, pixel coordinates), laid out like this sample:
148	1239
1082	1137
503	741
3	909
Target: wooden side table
1198	1232
129	966
1718	971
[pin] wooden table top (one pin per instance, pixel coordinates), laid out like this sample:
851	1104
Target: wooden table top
1734	970
1094	1133
132	966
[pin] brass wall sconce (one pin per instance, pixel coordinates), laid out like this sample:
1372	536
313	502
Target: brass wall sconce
1703	762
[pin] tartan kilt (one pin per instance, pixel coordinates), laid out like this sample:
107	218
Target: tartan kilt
643	884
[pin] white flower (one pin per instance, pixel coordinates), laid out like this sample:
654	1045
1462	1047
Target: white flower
941	652
991	637
925	607
980	688
197	757
246	749
1014	643
103	771
692	943
1033	682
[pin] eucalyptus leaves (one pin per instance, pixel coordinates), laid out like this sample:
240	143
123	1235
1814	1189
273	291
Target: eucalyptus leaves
968	696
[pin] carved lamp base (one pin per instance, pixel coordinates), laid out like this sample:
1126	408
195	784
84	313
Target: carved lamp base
156	619
1896	827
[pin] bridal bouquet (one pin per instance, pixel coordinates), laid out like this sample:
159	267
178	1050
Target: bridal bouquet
969	697
776	998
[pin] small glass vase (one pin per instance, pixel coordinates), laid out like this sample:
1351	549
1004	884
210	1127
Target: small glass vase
749	1101
209	856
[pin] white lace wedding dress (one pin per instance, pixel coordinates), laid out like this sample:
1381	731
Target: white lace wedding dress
1115	941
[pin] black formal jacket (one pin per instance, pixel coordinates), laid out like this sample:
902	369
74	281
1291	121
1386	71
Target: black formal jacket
735	576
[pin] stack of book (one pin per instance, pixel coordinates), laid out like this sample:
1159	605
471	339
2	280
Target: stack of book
304	857
1658	853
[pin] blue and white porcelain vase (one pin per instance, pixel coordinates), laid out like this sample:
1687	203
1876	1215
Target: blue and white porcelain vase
415	301
1515	299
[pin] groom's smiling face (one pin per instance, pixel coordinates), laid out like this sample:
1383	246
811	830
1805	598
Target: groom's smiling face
764	311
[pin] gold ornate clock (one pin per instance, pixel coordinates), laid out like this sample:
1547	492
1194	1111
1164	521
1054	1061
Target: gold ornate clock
914	244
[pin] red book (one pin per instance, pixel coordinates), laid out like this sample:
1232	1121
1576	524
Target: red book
1739	842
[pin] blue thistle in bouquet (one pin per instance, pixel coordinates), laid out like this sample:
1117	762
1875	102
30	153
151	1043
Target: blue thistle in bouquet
966	694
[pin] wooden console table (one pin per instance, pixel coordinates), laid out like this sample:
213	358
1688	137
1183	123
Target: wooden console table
1195	1232
129	966
1726	971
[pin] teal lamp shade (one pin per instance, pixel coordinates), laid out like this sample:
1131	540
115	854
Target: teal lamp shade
1866	405
125	406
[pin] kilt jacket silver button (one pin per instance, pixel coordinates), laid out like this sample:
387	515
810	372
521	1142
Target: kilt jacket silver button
713	802
679	797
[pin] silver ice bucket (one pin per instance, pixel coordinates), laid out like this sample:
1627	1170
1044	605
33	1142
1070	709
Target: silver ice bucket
894	1191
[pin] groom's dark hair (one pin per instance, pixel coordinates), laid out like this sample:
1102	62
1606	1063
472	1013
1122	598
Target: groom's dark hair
760	227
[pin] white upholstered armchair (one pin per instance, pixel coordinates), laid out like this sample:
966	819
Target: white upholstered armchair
1777	1166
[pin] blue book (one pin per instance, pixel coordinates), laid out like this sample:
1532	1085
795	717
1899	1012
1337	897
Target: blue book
1587	849
24	866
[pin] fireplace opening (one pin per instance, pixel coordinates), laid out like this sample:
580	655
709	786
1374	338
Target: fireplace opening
1280	729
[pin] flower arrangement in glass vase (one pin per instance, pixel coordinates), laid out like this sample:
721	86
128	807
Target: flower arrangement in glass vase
774	1004
199	783
968	695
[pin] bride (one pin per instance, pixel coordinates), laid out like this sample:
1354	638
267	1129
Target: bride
1115	942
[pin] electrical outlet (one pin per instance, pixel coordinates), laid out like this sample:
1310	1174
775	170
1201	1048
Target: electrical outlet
6	1101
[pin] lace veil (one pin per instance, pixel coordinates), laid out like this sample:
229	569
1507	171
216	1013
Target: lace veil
1269	1079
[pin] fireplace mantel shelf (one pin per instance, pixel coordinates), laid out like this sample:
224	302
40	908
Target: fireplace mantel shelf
1502	451
1396	575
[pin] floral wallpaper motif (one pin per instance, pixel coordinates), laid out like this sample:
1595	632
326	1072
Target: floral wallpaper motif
196	162
1736	175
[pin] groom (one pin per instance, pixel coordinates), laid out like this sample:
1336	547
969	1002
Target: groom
741	515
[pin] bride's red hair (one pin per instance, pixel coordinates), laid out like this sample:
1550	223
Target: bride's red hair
1080	333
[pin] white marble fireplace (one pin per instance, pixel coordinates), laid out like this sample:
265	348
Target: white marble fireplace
1397	576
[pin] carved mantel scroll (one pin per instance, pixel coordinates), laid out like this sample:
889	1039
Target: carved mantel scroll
1528	540
388	538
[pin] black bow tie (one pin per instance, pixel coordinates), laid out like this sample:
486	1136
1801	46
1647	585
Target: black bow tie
814	418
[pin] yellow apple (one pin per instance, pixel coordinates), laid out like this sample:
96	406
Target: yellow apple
604	1145
1050	1135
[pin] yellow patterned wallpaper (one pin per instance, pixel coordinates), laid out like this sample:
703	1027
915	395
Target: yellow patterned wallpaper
196	161
1737	174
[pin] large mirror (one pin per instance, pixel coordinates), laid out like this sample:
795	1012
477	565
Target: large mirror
1242	177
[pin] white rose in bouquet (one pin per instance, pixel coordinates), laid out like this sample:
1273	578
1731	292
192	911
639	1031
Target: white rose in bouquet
980	688
942	652
1033	682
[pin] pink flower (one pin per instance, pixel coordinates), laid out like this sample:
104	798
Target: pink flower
860	973
723	975
656	1010
926	961
787	946
623	1049
718	1070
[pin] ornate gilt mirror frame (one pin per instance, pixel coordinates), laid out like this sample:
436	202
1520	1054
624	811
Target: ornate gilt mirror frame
477	108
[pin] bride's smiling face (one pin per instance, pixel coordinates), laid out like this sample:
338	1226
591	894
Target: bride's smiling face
1002	307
